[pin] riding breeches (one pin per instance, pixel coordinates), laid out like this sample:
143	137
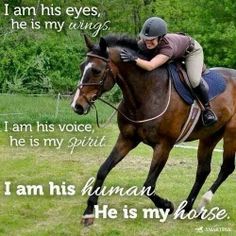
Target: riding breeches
194	64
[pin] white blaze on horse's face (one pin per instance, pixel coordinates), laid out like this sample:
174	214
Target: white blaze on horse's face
88	66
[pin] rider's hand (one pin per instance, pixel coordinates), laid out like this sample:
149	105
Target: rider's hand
127	56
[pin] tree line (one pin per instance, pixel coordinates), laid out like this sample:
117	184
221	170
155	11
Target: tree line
47	61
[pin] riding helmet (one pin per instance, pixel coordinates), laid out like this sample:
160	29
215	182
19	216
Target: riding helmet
153	27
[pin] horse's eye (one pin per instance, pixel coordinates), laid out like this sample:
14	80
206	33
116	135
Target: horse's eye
96	71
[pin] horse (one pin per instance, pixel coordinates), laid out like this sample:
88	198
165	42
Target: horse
153	114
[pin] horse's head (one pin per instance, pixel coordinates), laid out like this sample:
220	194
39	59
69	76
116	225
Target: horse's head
97	76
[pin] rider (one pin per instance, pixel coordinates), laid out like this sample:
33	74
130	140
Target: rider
169	46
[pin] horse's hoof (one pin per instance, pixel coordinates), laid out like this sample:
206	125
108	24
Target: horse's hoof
171	207
165	204
87	220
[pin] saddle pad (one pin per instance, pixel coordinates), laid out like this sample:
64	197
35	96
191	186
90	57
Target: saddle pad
214	80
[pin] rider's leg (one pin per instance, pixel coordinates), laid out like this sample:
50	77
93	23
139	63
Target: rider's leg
194	64
208	116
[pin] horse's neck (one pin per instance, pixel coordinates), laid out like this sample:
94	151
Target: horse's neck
142	89
129	97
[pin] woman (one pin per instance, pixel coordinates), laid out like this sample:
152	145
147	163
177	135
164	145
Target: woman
169	46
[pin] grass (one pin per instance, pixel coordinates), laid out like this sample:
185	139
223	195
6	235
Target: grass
61	215
30	109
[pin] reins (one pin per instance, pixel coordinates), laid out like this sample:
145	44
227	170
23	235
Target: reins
145	120
100	83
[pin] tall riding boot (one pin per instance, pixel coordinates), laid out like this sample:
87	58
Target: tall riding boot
208	116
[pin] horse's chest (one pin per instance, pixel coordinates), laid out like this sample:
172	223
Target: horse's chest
146	134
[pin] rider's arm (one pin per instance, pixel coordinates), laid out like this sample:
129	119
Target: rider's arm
157	61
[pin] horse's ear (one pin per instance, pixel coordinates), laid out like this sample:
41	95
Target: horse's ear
88	42
103	44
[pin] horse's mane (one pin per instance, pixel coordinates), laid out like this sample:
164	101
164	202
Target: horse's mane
128	42
122	41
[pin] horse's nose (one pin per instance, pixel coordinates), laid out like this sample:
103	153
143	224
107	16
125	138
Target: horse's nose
78	109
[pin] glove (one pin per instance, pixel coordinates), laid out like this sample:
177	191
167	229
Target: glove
127	56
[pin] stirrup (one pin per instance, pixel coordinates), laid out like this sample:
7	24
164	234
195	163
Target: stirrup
208	117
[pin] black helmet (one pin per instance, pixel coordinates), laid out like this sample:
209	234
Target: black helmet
153	27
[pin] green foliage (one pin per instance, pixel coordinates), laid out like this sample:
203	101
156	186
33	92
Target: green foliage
44	61
114	95
217	32
37	63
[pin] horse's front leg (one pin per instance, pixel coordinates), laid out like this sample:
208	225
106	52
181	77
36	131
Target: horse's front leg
121	148
160	156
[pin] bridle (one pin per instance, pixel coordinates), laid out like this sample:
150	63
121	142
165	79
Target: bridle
101	83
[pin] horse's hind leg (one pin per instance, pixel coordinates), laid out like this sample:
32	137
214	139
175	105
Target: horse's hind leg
122	147
228	164
205	149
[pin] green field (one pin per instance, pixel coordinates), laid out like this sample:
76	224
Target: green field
61	215
45	108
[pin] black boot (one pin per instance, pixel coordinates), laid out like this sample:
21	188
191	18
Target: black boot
208	116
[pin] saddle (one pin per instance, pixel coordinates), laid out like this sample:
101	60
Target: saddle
213	80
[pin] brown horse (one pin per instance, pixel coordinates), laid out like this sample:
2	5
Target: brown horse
145	95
